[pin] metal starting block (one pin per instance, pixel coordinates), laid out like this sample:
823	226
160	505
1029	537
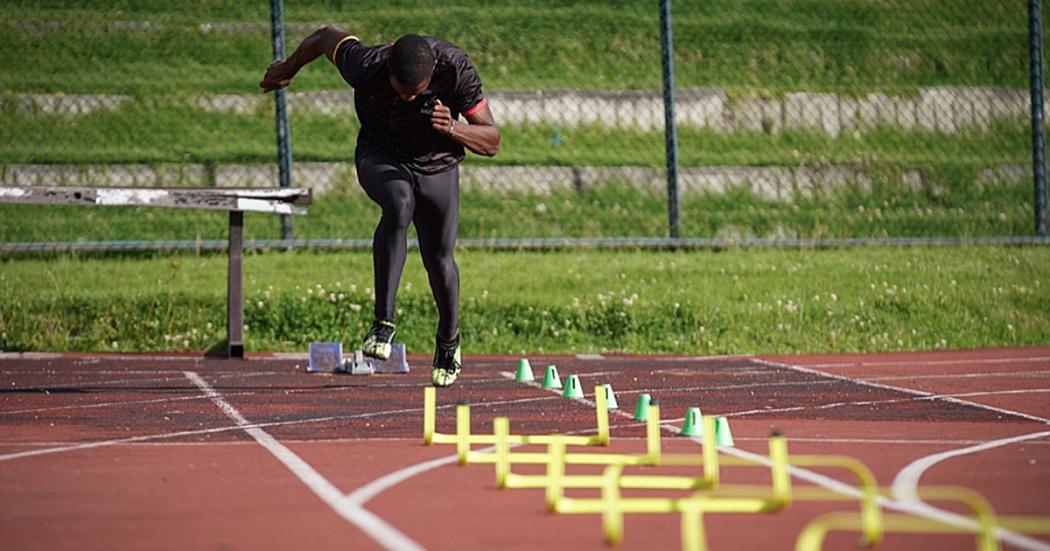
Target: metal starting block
327	357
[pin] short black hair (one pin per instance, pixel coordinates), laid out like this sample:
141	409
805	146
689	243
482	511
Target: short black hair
411	60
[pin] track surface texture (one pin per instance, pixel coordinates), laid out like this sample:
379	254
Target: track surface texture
182	452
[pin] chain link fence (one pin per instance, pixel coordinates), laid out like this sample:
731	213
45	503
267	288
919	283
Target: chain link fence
796	119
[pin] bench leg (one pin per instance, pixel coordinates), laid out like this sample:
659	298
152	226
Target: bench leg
235	287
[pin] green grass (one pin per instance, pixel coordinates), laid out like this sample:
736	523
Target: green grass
869	299
769	44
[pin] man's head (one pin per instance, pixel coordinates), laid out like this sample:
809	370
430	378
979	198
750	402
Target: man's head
411	66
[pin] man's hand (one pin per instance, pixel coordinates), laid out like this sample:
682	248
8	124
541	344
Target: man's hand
441	119
278	75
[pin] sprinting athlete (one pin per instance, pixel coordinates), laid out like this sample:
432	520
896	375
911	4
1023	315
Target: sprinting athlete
409	96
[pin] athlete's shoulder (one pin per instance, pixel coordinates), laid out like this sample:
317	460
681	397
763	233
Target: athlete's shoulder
359	63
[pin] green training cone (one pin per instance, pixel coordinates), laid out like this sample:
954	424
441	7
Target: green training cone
573	388
610	397
524	373
551	378
693	425
641	409
723	436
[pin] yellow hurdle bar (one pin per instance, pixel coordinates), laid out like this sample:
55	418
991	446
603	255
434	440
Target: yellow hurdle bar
870	514
744	499
555	480
463	439
556	458
812	536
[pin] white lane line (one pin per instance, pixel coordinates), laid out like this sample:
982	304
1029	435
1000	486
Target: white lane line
928	398
905	390
361	495
885	441
105	404
916	506
1042	373
906	482
168	435
933	362
42	389
64	371
378	529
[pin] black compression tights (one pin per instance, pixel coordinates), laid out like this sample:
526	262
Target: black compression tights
431	202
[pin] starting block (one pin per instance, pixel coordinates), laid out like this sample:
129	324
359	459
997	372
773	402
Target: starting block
327	357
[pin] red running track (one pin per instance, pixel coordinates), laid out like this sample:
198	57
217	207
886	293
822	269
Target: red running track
181	452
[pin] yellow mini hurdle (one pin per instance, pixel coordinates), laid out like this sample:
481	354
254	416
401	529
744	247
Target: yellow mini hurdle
709	495
985	522
463	439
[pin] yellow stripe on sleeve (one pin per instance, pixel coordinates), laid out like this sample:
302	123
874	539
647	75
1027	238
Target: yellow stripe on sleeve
338	45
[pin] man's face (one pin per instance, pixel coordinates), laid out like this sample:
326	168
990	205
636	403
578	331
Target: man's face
408	92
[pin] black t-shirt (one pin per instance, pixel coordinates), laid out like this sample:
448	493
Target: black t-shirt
390	124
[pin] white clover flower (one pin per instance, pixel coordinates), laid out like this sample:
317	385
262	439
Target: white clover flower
309	291
354	307
257	304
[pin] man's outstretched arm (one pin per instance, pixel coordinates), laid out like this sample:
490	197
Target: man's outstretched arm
324	41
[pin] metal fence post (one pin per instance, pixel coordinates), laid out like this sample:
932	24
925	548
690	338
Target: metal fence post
1035	56
235	287
284	134
670	128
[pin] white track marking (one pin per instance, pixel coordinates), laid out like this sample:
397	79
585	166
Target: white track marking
64	371
886	441
361	495
164	436
1042	373
935	362
40	389
911	391
907	481
379	530
930	397
916	506
178	434
105	404
510	375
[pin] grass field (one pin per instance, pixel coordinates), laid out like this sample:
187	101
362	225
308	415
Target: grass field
587	301
768	44
163	55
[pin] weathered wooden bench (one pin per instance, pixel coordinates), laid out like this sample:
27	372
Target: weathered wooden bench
236	201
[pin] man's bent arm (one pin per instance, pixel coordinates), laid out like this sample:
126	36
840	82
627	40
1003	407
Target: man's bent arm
323	41
480	136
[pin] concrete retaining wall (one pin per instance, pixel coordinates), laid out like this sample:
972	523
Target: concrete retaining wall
941	109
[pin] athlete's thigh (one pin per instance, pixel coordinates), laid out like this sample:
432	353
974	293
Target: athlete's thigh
384	179
437	209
